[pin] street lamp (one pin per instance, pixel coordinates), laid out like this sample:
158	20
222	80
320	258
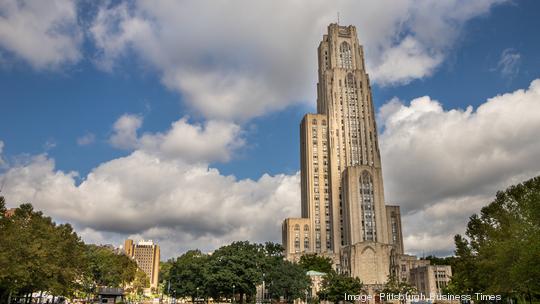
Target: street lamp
198	294
233	286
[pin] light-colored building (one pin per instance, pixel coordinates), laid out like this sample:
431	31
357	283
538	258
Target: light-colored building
147	256
297	236
403	264
430	279
343	215
343	211
316	282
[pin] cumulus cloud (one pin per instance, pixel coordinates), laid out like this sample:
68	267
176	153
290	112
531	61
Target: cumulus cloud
179	205
406	62
238	60
211	141
43	33
125	131
443	165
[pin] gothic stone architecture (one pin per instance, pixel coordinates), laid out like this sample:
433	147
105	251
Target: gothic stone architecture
344	215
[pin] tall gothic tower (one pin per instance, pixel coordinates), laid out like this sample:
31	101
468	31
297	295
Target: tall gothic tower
344	215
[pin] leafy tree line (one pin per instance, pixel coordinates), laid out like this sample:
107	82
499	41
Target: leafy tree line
500	252
38	255
235	271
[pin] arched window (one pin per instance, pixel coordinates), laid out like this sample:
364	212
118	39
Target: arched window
306	237
345	56
297	238
367	205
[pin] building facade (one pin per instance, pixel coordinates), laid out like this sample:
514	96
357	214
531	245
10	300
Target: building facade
430	279
344	215
147	256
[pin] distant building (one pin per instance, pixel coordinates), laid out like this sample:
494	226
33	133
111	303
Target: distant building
430	279
316	282
146	254
296	236
403	264
10	212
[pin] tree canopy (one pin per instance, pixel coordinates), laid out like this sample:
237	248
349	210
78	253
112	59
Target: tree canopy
501	250
37	254
335	286
315	262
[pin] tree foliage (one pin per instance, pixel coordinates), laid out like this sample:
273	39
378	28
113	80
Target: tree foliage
315	262
240	264
37	254
188	275
287	280
501	252
108	268
140	282
237	269
335	286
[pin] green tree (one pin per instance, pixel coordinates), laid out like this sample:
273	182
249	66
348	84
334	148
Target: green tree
315	262
240	264
450	260
189	274
335	286
140	282
502	249
164	274
37	254
287	280
108	268
393	286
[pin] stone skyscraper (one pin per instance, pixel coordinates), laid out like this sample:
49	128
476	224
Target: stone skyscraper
344	215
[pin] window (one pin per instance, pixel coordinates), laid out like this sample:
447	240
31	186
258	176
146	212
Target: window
345	56
368	206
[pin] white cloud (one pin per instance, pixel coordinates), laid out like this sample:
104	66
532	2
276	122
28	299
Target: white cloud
86	139
443	165
43	33
406	62
125	131
238	60
211	141
509	62
439	165
177	204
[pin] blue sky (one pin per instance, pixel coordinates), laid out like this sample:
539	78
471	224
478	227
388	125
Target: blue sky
124	62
